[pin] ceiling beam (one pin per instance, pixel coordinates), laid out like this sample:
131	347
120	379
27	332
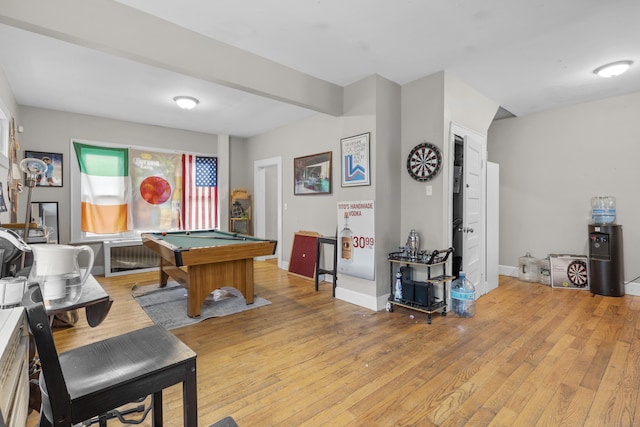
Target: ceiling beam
117	29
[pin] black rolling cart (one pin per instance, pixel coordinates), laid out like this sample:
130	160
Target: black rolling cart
416	295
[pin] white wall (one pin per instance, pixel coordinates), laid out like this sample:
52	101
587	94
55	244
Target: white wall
552	163
314	135
398	119
371	105
422	121
429	106
388	171
237	164
6	94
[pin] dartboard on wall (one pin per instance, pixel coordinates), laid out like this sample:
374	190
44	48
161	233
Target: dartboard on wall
424	162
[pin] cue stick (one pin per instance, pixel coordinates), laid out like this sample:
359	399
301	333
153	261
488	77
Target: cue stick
213	237
220	238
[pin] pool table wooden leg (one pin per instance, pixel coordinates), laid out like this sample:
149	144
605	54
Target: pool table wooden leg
205	278
164	277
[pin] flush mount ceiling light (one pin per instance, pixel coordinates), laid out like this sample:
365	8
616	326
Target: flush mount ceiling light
186	102
614	69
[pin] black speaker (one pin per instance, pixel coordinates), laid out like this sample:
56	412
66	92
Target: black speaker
408	291
421	293
406	273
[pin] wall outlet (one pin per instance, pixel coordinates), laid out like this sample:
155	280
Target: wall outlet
429	190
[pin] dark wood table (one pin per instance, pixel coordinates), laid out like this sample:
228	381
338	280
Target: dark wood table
94	299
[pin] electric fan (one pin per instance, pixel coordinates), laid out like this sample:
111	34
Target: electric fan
33	168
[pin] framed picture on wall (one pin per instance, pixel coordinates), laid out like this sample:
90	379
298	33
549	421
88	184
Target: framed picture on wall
52	177
45	214
312	174
356	169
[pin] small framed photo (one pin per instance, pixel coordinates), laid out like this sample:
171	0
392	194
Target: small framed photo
356	169
312	174
52	177
45	214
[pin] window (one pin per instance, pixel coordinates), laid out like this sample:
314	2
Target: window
120	192
4	135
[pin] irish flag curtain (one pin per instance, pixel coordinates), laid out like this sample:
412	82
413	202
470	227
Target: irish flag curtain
104	188
140	190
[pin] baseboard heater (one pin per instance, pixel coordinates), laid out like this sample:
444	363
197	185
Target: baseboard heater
128	256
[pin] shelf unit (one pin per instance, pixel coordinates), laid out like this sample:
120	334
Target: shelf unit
14	367
416	295
240	212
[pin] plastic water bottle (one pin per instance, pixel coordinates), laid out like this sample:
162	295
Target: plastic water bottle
528	268
398	292
544	275
463	297
603	209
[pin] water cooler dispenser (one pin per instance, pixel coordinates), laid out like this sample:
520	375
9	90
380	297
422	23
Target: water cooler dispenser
606	261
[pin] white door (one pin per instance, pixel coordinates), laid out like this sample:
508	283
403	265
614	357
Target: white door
493	224
267	190
473	205
472	217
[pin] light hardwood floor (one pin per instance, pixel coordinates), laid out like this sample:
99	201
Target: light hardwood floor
531	356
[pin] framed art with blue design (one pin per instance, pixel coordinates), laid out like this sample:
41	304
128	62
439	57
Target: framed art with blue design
52	177
356	169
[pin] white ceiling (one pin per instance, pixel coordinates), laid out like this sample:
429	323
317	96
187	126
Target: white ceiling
528	56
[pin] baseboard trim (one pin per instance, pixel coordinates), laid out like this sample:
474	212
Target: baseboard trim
507	270
632	289
366	301
629	288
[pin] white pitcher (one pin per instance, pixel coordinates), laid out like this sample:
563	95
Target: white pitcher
56	269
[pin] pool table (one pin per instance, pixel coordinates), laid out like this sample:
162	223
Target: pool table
205	260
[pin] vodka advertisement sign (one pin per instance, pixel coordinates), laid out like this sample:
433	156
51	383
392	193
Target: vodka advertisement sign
356	240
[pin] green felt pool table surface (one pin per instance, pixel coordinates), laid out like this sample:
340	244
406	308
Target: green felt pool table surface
203	238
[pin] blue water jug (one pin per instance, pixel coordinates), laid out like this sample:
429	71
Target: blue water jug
463	297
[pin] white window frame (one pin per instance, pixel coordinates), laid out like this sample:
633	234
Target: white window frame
5	124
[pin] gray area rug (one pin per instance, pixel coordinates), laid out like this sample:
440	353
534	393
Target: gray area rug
168	306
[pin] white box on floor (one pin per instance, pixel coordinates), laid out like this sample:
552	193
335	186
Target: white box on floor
11	291
569	271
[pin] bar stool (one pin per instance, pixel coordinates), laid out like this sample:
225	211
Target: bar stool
333	271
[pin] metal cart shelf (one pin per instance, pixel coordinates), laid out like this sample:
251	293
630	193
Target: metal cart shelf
429	303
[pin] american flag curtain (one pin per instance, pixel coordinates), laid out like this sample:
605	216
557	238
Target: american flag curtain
200	192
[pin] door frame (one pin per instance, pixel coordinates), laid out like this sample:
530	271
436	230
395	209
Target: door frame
456	129
260	202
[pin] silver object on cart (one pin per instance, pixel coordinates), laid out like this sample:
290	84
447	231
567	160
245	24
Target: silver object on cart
413	244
